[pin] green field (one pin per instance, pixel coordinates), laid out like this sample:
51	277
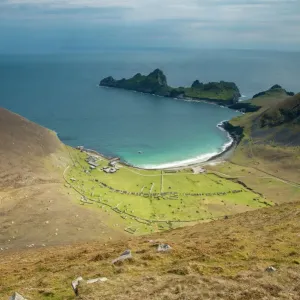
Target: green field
152	200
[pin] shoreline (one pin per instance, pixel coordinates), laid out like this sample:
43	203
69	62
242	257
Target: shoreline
220	102
227	150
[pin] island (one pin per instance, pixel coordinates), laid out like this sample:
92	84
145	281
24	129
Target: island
223	93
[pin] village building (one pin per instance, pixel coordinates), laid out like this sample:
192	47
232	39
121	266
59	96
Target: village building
199	170
113	163
92	161
110	170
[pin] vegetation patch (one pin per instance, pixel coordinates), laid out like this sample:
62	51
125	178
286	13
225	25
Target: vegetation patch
154	200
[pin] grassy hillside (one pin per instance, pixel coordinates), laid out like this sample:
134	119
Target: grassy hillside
284	112
272	150
224	259
36	209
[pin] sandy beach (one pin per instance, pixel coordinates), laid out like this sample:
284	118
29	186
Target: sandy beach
214	159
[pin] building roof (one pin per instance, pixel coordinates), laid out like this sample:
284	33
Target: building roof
109	170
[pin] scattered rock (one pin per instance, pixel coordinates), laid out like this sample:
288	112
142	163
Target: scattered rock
75	284
271	269
16	296
125	255
100	279
163	248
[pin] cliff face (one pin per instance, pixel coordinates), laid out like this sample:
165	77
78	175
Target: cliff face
225	93
154	83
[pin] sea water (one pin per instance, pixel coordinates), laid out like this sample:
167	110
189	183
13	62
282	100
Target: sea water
62	92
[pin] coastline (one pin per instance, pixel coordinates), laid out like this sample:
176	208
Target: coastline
220	102
227	150
204	159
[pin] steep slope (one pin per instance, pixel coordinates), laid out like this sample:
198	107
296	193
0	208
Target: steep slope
263	99
35	207
224	259
23	147
271	135
287	111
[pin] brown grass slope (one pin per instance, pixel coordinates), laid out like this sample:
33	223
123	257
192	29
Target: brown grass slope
35	208
284	112
271	149
23	147
224	259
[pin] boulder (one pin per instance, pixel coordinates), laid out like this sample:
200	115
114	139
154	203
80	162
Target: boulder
164	248
75	284
16	296
125	255
270	269
100	279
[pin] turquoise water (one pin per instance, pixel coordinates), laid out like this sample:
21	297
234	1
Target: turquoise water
61	92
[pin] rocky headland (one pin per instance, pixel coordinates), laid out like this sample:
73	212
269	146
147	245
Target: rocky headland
222	93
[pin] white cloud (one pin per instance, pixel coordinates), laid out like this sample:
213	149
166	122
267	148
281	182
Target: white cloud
193	21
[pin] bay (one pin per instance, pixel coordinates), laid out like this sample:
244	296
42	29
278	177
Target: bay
61	92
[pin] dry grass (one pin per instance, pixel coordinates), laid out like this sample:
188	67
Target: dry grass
223	259
35	207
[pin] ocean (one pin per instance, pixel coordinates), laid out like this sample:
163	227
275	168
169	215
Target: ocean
61	92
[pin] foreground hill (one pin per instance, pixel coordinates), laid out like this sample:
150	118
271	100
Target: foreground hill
35	206
224	259
224	93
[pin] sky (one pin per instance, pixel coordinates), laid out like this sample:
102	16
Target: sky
34	26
